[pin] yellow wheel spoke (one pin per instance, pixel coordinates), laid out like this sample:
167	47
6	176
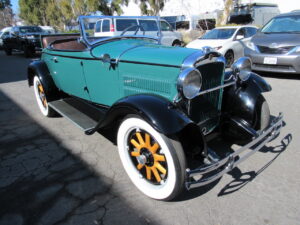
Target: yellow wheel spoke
160	168
158	157
140	166
157	176
141	140
41	88
154	148
137	145
148	144
135	154
148	173
44	102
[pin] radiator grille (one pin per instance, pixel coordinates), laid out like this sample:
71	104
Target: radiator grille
280	50
205	109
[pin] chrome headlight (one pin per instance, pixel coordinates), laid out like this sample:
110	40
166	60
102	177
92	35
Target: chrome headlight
242	68
189	82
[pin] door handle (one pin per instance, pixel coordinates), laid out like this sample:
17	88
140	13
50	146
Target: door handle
54	59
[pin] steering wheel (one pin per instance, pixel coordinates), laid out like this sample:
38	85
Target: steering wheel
136	30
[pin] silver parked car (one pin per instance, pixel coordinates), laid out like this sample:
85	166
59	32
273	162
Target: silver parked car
276	47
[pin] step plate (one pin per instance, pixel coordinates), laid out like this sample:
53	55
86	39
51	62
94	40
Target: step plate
66	110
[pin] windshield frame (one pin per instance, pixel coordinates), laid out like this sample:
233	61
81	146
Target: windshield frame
281	32
234	31
84	37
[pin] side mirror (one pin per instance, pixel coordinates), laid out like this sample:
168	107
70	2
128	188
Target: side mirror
105	58
240	37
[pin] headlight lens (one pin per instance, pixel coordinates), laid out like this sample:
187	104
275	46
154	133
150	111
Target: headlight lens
252	46
242	68
189	82
217	48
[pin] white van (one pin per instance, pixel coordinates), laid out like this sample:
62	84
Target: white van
115	26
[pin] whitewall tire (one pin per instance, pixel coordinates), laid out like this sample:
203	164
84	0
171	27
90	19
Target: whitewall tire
41	98
153	162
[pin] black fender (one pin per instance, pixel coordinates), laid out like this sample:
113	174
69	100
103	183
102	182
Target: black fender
39	68
162	114
240	100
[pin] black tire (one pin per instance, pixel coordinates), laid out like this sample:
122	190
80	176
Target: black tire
8	51
229	57
41	98
262	113
28	51
176	43
141	159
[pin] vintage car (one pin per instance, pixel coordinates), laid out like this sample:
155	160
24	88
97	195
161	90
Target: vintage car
23	38
159	104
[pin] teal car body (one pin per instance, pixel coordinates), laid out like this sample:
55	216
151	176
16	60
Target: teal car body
159	104
142	67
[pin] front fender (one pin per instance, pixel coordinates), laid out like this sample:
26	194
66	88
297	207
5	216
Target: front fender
163	115
158	111
240	100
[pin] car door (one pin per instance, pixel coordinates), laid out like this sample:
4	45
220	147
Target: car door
167	33
239	43
67	72
101	79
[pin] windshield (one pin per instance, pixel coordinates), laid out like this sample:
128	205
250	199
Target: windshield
286	24
219	34
31	30
95	29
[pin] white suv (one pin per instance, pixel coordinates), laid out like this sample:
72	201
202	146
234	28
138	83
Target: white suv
116	26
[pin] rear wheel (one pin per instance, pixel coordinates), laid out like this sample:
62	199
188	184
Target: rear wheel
8	51
154	163
176	43
28	51
41	98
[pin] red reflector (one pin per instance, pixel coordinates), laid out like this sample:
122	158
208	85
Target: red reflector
112	28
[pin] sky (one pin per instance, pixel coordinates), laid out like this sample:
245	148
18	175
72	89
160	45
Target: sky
15	5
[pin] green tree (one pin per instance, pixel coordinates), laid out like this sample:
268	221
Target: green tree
6	14
151	7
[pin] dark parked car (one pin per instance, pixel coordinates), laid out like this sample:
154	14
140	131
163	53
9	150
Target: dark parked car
276	48
23	38
160	104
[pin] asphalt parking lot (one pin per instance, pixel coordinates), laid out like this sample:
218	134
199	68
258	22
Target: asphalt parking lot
52	173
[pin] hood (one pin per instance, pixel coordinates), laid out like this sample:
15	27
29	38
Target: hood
199	43
144	52
276	40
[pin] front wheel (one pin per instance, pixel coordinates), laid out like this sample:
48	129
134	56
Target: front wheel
262	114
41	98
154	163
8	51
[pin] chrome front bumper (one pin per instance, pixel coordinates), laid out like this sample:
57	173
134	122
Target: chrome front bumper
212	172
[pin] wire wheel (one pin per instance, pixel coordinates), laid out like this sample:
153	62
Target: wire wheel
153	162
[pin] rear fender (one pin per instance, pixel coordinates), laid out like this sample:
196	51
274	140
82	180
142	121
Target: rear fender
40	69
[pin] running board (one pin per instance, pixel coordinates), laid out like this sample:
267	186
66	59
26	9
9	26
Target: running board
75	111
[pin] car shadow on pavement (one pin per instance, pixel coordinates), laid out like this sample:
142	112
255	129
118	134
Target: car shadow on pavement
18	63
240	179
43	182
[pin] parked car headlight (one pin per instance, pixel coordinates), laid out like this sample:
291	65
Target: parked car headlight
252	46
189	82
217	48
30	37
